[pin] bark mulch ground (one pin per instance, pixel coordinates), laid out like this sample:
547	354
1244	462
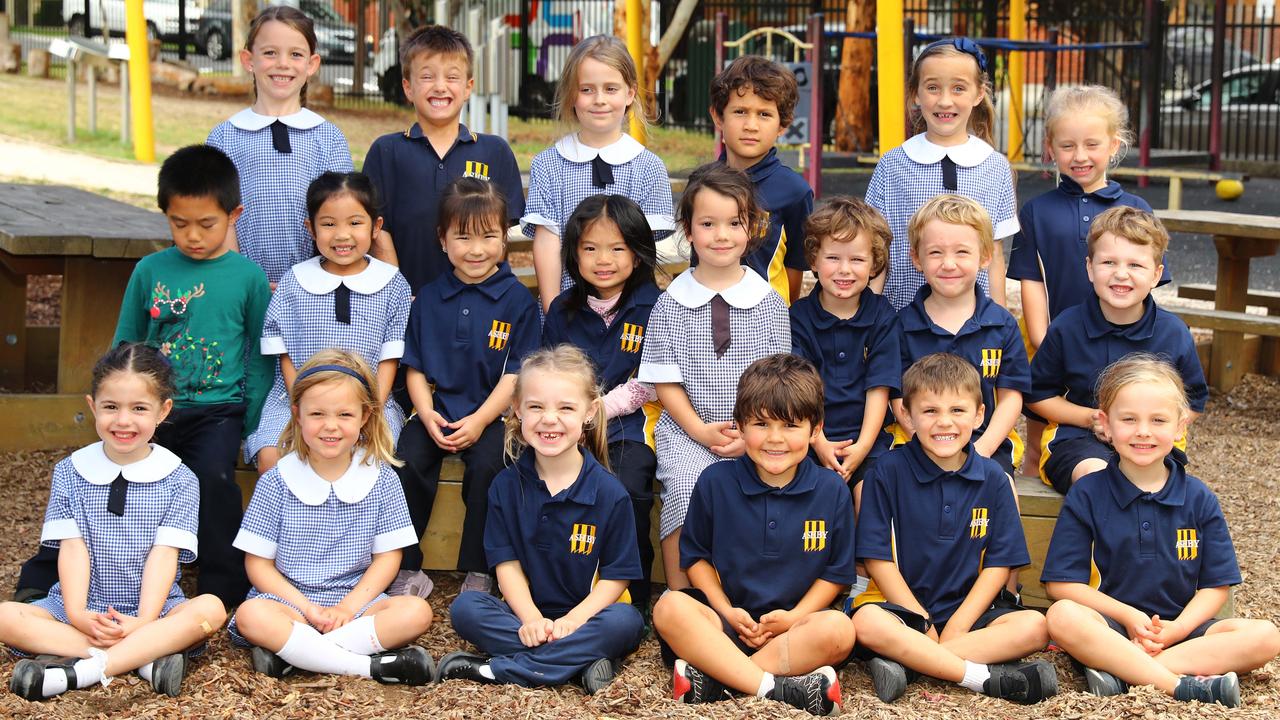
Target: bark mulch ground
1233	448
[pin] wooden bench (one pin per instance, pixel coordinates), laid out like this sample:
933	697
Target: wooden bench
1258	298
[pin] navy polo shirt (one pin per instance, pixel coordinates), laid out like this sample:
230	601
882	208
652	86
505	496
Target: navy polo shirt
410	178
615	349
561	541
943	527
1052	245
990	340
1081	343
770	544
852	356
1153	551
465	337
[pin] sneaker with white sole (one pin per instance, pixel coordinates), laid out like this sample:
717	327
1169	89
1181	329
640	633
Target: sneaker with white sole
691	685
477	582
413	583
817	693
1221	689
598	675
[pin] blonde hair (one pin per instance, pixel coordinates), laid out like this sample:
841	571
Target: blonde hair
1076	100
375	436
983	118
954	210
1137	226
841	219
568	361
613	53
1140	367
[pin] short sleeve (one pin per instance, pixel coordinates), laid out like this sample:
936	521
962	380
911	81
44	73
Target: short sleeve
659	361
499	546
1047	369
394	529
875	521
59	515
779	324
1024	258
1006	546
181	521
803	341
884	353
1218	565
1015	371
338	156
793	224
413	336
272	336
620	556
877	190
1004	216
259	369
657	203
260	528
841	563
398	302
375	168
526	333
698	532
508	178
542	208
1070	554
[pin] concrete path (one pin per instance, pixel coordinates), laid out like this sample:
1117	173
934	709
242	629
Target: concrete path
26	159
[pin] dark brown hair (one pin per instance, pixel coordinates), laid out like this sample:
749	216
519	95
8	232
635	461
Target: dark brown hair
731	183
762	76
939	373
841	219
435	40
294	18
781	387
474	205
137	358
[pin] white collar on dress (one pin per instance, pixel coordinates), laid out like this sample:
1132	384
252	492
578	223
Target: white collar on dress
93	465
312	489
624	150
970	154
249	120
316	280
746	294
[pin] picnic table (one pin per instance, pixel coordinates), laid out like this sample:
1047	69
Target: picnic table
1237	238
93	242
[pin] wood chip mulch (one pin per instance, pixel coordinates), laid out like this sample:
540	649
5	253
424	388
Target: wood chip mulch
1233	449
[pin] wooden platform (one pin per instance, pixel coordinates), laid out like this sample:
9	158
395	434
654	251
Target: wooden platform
1039	505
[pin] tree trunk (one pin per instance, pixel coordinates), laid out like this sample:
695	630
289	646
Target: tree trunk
853	100
671	37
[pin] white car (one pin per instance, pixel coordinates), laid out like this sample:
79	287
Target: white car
161	15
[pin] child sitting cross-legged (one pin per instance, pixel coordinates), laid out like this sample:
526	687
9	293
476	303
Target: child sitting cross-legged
768	545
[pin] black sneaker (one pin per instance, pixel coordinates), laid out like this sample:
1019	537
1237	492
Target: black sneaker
1103	683
462	666
817	693
410	665
889	678
1025	683
597	675
691	685
167	673
1221	689
268	663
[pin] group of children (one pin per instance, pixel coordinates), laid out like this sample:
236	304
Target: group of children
859	437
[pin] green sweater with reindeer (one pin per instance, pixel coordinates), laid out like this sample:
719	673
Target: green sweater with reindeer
206	317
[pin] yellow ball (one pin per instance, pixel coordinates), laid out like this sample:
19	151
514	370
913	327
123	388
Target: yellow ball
1229	189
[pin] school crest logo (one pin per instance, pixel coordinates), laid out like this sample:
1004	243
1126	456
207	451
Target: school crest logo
991	361
583	539
978	523
499	334
815	535
1188	544
477	170
632	337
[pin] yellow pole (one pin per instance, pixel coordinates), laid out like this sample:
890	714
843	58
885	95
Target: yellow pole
1017	77
892	71
635	45
144	142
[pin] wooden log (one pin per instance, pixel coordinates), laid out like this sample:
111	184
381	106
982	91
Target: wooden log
224	85
38	63
174	76
10	57
319	95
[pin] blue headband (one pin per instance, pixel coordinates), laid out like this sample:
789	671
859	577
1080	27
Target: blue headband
334	368
964	45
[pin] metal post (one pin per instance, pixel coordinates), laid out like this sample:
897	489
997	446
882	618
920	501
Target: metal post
182	29
1050	81
1017	73
358	65
124	102
722	35
1215	93
1152	50
88	26
91	71
523	96
817	124
71	99
635	46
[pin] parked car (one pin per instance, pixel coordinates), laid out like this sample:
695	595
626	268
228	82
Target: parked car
1250	112
1189	53
335	37
161	15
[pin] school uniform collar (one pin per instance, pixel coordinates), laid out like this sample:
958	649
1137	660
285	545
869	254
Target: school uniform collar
621	151
970	154
762	169
249	120
581	492
916	319
926	470
414	132
805	480
1096	324
316	280
746	294
1112	191
823	319
491	287
1173	494
312	489
92	463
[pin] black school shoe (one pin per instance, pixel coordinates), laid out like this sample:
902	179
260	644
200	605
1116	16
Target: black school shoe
691	685
1103	683
597	676
167	672
462	666
817	693
268	663
1025	683
410	665
1221	689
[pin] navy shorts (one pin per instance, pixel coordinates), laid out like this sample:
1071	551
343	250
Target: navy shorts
1064	455
1004	604
1199	631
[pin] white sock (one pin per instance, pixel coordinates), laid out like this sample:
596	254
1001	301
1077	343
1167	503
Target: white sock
766	685
88	671
144	672
306	648
974	676
358	636
486	672
55	682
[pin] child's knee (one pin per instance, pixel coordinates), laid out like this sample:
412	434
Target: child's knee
1032	628
1266	637
836	632
209	609
1064	617
413	612
468	607
253	617
675	608
870	624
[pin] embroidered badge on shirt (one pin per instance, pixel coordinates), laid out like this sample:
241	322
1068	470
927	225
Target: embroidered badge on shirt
583	539
499	334
815	535
477	170
632	337
1188	544
991	361
978	523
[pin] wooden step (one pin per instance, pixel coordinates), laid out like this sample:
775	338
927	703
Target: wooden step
1207	291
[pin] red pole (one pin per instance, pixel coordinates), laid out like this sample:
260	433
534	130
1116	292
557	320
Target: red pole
722	33
817	123
1151	79
1216	64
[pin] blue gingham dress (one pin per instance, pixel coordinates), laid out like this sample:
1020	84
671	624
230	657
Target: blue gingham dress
678	347
300	322
910	175
323	535
560	179
273	185
162	507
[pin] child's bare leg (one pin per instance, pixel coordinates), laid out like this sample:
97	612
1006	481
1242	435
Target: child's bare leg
1031	455
34	630
823	638
883	632
267	623
1085	635
267	459
400	620
694	633
185	626
1236	645
1008	637
676	577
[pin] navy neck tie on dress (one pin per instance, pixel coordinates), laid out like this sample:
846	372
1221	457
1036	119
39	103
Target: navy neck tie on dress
601	172
342	304
949	180
720	336
115	498
280	137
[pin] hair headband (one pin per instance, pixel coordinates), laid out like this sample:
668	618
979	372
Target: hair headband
334	368
964	45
